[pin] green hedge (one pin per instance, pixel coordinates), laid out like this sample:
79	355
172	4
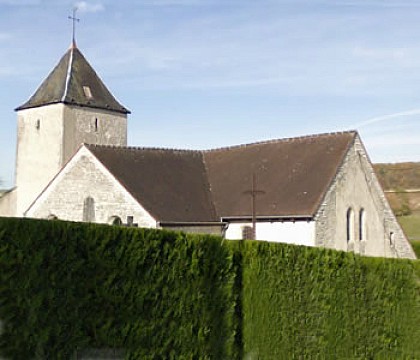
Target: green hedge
309	303
166	295
157	294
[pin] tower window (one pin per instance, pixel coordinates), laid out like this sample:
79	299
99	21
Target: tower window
96	124
38	124
88	92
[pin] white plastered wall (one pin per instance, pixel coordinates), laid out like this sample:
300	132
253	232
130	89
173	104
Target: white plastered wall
84	176
299	232
39	151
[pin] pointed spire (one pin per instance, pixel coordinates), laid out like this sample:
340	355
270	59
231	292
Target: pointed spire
74	82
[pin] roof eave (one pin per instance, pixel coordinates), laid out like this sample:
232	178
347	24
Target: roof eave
123	110
268	218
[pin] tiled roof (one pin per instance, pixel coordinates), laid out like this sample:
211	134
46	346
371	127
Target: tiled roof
293	174
170	184
73	81
197	186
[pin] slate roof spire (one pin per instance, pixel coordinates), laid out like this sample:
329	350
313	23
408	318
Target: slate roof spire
74	82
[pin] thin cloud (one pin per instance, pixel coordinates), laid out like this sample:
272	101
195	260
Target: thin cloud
84	6
175	2
5	36
386	117
374	3
20	2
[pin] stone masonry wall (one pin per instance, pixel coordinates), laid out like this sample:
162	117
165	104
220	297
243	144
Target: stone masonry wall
8	204
92	126
85	177
357	188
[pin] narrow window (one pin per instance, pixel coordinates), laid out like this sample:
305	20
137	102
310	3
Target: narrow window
362	225
38	124
391	239
96	124
350	225
89	210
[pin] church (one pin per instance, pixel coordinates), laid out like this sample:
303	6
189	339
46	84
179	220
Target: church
73	163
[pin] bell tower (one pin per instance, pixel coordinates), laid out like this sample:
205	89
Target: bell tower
72	106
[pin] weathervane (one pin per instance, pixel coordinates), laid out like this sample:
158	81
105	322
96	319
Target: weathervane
74	19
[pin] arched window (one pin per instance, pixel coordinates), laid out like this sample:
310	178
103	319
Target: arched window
350	225
115	220
362	235
89	209
52	217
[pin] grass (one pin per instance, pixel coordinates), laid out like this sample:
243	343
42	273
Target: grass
416	248
411	225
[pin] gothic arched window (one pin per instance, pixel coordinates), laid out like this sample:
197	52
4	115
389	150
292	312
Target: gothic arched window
362	229
350	225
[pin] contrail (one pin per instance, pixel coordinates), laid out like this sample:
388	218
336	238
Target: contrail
386	117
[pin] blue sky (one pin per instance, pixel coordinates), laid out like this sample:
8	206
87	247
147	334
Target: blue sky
208	73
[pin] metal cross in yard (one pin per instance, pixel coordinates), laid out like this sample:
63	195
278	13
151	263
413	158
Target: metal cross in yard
254	193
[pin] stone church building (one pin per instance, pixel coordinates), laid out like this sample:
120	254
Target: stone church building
73	163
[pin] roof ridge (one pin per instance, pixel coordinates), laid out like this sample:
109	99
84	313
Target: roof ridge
279	140
272	141
68	75
152	148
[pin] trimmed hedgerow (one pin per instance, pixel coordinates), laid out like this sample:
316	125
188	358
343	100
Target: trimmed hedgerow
164	295
309	303
157	294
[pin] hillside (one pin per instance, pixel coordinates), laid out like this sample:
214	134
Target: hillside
401	183
399	176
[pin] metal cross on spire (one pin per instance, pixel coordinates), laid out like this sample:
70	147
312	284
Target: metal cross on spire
254	192
74	19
